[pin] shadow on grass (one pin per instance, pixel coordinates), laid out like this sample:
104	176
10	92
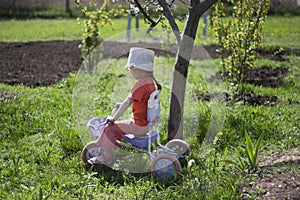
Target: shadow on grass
42	13
113	176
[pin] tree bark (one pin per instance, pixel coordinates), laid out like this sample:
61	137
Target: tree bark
175	122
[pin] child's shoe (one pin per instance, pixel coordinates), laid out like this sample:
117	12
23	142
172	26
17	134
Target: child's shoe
97	160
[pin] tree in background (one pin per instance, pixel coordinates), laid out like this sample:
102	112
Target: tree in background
185	46
185	40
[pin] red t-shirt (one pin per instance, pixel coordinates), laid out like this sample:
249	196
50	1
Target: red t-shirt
140	94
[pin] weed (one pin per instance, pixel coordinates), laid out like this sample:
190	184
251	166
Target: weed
252	150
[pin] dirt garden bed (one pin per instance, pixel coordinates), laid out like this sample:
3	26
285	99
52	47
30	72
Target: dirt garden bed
38	63
263	76
45	63
278	177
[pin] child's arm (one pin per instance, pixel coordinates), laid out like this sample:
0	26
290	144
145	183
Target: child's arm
123	107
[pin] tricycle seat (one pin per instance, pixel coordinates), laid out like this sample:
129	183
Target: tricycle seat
141	141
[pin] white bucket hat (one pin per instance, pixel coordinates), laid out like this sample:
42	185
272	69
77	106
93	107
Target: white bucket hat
140	58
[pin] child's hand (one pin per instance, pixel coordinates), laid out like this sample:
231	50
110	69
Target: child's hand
110	120
117	106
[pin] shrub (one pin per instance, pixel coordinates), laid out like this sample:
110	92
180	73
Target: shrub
239	34
95	18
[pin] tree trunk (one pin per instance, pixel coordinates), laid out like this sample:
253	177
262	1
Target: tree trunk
175	122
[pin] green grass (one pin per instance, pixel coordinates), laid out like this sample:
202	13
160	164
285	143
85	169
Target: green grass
39	30
279	31
40	154
58	29
52	29
282	31
41	145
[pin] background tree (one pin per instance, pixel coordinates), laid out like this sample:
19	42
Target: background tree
96	19
185	41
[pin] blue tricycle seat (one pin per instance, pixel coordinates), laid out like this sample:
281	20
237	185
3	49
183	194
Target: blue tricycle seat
142	141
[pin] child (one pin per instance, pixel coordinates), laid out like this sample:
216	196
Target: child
140	66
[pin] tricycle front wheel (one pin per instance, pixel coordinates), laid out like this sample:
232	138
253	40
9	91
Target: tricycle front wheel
89	151
92	150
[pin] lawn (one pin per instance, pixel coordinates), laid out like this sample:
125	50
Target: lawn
39	30
70	29
41	145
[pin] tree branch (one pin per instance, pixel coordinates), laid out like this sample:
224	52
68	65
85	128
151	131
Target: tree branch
142	10
200	8
168	14
153	25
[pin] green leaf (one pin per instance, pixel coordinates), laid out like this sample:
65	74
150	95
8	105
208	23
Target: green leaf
258	147
249	148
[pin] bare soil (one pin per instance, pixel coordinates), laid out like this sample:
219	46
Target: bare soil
45	63
247	97
278	177
266	76
263	76
38	63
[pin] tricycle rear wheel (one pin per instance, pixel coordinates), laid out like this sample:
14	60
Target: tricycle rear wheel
165	166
